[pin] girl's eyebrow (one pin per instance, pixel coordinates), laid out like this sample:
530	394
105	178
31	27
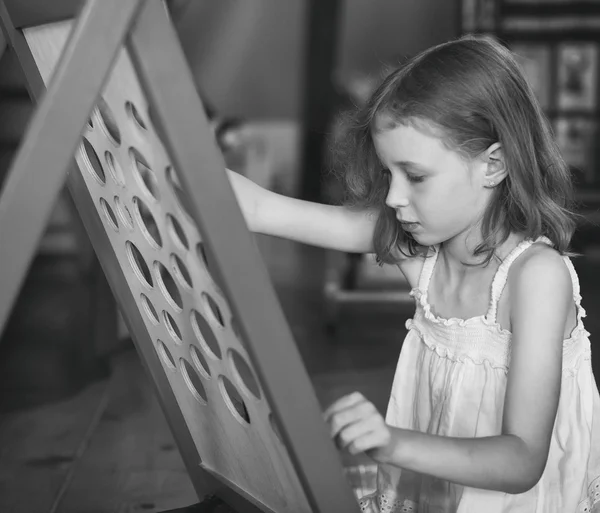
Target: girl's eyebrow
410	164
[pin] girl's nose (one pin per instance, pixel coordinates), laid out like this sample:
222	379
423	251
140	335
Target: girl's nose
396	197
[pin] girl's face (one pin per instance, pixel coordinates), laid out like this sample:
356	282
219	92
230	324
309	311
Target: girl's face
435	192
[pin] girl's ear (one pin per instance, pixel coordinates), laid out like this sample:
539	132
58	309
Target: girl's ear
495	165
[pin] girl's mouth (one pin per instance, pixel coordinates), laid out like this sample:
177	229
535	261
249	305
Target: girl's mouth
408	226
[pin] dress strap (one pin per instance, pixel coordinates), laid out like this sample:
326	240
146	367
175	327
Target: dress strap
501	275
581	313
574	279
427	269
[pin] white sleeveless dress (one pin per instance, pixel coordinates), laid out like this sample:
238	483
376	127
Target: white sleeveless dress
451	381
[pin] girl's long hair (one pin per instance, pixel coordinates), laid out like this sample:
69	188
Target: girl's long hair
474	91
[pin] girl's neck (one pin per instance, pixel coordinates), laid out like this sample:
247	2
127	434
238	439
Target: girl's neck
458	251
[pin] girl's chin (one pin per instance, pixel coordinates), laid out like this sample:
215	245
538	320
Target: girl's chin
418	235
424	239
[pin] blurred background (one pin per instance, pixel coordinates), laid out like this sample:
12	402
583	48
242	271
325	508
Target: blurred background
80	428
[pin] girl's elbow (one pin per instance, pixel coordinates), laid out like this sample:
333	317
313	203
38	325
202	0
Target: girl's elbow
521	487
527	469
526	481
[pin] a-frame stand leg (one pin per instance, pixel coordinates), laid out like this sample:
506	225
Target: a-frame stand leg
28	195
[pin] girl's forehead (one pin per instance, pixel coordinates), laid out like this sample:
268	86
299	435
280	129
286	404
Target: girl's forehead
385	121
416	144
407	139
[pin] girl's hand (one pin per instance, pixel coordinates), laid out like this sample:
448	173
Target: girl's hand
357	426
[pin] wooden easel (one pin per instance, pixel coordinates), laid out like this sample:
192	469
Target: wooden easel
173	244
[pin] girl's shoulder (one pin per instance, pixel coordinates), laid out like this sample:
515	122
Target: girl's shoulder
539	264
537	257
543	285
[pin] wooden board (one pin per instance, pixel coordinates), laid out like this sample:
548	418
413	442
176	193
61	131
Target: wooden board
227	392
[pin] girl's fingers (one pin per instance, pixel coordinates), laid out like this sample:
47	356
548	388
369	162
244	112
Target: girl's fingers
367	442
343	403
353	432
368	439
360	412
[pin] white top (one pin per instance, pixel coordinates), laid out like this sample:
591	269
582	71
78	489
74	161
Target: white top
451	380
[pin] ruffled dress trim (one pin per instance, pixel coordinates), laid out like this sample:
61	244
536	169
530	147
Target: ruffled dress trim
488	321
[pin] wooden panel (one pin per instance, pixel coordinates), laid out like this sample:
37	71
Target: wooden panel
239	272
177	301
113	129
153	236
57	36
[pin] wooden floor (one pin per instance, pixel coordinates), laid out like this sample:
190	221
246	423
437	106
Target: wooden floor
108	448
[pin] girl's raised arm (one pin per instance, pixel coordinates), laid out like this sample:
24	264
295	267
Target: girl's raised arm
311	223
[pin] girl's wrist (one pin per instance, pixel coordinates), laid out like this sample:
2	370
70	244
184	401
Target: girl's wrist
392	452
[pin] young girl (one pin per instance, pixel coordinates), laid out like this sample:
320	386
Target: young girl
455	178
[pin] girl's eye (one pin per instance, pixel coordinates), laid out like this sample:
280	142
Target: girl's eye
414	178
410	177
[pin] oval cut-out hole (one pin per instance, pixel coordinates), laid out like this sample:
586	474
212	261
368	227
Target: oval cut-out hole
149	309
109	124
233	400
244	373
147	223
124	213
135	115
203	256
144	173
154	121
235	327
114	168
193	381
109	215
138	264
165	355
181	271
204	334
172	327
274	427
200	361
168	286
214	309
93	162
236	330
181	195
177	233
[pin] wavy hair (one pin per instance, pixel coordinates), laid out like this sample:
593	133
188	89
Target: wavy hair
474	91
